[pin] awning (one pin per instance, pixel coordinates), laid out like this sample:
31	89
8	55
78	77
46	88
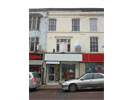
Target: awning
35	62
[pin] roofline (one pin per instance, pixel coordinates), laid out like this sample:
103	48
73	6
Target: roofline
66	9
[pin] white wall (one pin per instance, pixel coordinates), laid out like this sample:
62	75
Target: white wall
64	28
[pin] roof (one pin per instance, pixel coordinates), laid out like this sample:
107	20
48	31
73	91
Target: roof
69	9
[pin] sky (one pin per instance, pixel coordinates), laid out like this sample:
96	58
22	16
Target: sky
66	4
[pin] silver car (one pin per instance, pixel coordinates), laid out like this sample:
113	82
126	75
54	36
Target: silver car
34	80
86	81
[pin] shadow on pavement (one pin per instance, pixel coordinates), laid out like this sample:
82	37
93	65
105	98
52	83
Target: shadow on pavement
80	90
86	90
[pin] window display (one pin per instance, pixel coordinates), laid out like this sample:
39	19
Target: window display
95	67
68	71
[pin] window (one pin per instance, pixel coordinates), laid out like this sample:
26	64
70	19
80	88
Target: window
33	42
94	44
98	76
93	24
52	24
34	23
88	76
75	25
94	67
63	40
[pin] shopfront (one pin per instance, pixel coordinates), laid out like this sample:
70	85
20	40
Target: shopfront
94	63
61	67
36	64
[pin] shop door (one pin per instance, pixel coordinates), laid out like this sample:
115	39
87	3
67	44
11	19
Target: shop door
51	73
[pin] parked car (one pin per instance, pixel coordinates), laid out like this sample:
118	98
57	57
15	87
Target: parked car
34	80
86	81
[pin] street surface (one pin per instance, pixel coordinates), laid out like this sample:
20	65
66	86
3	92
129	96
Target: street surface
59	94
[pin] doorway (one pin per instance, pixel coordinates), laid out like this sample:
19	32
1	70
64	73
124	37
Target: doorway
51	73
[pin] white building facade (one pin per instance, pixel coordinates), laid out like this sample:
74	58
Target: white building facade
75	40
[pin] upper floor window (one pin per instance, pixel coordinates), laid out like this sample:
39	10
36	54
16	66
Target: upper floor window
34	23
94	44
33	42
52	24
75	25
68	41
93	24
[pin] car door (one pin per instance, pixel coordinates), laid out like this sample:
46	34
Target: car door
86	81
98	80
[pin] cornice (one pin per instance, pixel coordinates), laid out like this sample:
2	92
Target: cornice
71	32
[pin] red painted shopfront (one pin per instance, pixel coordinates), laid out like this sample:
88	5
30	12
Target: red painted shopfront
35	62
94	63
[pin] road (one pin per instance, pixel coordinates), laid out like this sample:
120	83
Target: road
58	94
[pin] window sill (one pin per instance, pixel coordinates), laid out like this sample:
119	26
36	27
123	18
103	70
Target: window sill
94	52
34	30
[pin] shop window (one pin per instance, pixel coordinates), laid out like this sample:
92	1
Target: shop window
57	73
33	42
93	67
58	41
67	71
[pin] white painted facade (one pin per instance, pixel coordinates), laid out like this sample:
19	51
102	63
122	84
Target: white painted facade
64	29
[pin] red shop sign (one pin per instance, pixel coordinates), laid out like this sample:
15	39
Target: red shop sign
93	57
34	56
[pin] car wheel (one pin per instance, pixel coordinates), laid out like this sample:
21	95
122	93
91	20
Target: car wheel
72	88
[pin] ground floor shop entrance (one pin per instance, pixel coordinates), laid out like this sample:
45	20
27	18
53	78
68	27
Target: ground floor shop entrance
62	72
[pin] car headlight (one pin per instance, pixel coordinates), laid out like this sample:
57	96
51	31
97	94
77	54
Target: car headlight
64	83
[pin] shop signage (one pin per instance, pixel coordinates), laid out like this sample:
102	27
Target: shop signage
63	47
35	57
77	45
62	57
39	47
93	58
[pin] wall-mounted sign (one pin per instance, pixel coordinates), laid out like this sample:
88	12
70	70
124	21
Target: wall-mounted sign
39	47
63	47
78	46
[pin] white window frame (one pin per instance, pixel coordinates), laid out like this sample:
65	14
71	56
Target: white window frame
95	44
35	46
93	24
78	25
60	42
36	21
49	28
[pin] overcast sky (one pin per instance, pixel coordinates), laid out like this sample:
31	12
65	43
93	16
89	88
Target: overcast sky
66	3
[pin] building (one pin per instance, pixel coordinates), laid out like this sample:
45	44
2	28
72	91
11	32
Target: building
75	40
37	40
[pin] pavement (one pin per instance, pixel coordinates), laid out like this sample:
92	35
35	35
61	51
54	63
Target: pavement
55	92
50	87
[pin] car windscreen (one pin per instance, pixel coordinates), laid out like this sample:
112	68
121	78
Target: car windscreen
36	75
